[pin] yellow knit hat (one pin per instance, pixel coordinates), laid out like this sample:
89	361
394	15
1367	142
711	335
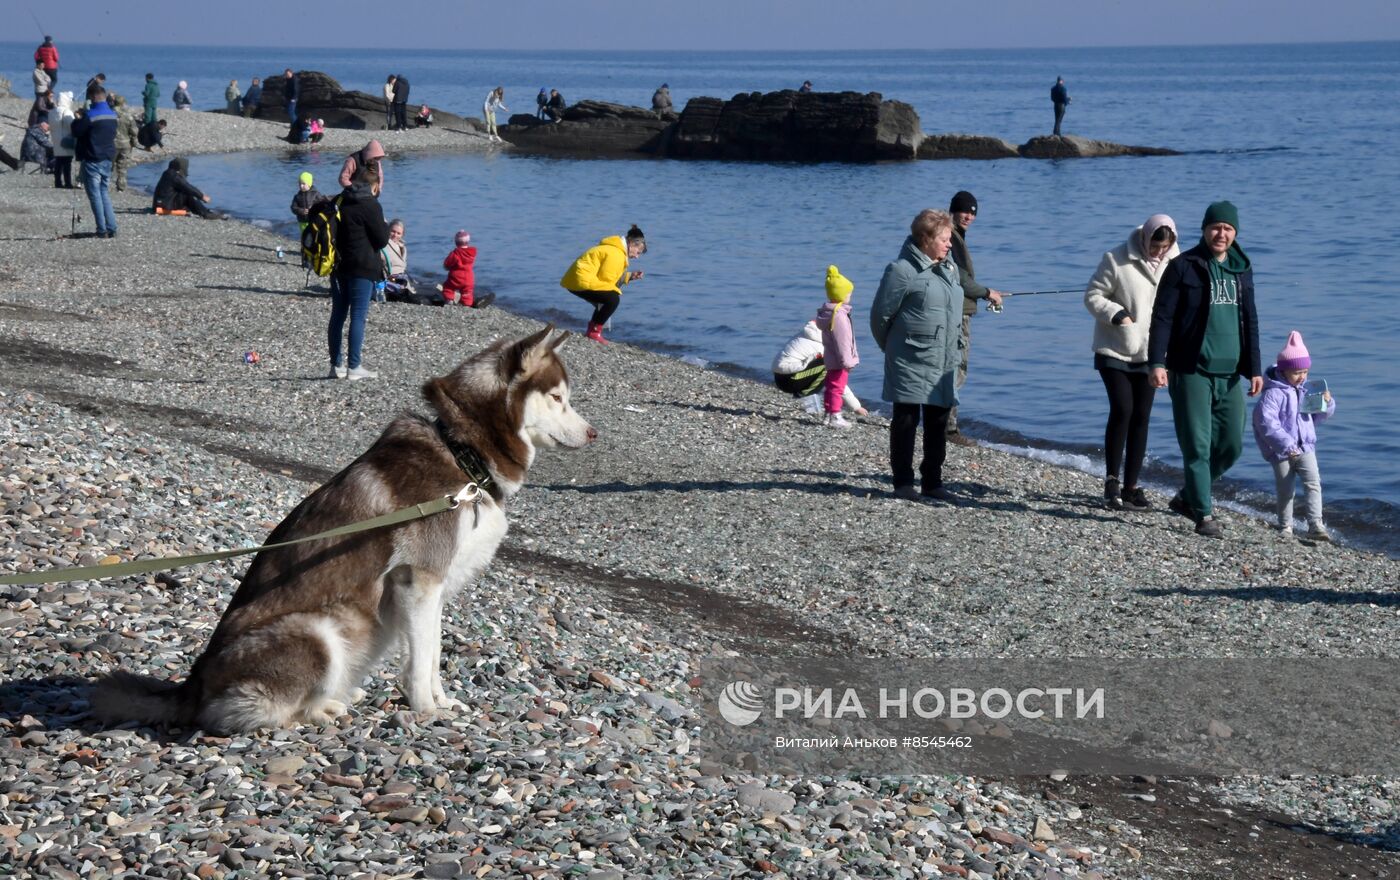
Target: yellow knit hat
838	287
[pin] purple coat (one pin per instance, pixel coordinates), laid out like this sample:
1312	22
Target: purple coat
1280	428
838	341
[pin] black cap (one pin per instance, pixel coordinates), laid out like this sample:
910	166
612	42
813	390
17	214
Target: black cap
963	201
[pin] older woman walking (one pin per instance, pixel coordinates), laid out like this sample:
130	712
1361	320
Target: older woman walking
915	320
1120	297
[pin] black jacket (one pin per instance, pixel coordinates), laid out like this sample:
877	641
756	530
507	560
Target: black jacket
401	90
303	202
1059	94
291	89
972	290
252	97
361	235
172	183
1181	310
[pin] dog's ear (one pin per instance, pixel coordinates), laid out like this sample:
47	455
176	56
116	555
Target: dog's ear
533	350
559	340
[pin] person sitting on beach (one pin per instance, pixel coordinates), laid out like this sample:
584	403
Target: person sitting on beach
174	192
661	100
317	130
1287	435
181	96
424	119
371	154
598	274
231	96
460	286
252	99
395	253
838	344
800	370
541	102
151	135
300	131
555	107
37	147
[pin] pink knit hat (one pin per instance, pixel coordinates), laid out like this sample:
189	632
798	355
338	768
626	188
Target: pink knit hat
1295	354
464	238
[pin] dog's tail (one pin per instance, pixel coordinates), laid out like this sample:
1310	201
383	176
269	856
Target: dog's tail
124	696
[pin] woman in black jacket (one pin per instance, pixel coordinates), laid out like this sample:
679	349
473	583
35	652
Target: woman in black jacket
360	236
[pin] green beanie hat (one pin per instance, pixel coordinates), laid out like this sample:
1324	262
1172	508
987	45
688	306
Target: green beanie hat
1222	212
838	287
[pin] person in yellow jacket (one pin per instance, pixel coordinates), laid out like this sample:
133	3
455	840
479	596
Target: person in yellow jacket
598	275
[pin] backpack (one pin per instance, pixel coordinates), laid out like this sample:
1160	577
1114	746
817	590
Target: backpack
318	238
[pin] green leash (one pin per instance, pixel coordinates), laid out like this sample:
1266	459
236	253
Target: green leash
471	494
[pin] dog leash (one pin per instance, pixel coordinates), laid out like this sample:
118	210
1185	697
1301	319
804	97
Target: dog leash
470	494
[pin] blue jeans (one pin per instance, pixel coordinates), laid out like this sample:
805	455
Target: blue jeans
96	176
348	296
292	110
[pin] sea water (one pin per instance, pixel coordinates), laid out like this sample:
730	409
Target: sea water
1299	137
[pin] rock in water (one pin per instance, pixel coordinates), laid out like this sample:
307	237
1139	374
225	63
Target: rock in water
1072	146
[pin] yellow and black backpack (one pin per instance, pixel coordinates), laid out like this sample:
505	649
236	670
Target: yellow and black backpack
318	238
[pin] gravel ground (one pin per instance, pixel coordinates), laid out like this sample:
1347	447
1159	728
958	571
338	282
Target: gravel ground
132	427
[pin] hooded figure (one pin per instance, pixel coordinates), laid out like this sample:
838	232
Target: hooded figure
174	192
370	154
181	96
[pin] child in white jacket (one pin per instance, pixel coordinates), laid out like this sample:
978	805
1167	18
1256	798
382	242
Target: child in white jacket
800	370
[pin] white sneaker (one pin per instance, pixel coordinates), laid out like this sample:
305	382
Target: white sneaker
836	420
337	372
359	373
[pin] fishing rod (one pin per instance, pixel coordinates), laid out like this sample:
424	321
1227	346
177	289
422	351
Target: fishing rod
42	32
996	309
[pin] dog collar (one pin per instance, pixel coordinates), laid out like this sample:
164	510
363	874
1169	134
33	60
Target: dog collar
471	463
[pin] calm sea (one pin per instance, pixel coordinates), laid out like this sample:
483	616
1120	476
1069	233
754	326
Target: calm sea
1300	137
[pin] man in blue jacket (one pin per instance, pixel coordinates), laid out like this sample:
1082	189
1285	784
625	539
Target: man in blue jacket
1059	96
95	131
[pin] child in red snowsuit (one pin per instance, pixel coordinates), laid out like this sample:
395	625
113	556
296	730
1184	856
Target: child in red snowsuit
460	286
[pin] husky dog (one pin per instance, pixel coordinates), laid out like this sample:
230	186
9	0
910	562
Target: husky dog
310	621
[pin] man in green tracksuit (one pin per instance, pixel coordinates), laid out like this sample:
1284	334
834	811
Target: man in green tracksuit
149	96
1203	339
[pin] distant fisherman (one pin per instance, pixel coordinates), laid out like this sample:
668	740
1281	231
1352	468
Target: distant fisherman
1059	96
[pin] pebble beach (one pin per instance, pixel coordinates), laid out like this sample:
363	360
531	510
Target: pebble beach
132	427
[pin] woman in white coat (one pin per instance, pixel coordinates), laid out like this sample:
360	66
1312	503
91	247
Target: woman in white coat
1120	297
61	133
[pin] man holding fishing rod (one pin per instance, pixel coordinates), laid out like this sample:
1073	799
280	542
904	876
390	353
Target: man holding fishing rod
964	210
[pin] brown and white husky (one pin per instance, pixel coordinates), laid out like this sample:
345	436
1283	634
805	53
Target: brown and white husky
309	621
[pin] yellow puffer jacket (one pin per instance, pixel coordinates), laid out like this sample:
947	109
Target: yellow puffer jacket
602	267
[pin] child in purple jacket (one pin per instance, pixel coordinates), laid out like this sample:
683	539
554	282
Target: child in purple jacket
838	344
1287	436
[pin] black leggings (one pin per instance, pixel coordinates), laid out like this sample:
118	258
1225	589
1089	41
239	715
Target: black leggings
1129	410
903	427
605	302
63	172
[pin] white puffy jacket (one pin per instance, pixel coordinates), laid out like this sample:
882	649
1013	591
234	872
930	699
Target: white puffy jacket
800	351
1124	281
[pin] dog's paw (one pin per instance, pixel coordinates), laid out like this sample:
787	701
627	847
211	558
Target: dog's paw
355	695
449	704
326	712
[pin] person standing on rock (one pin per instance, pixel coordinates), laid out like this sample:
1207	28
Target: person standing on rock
401	103
1120	297
661	100
963	209
914	320
360	236
149	96
46	57
389	102
1059	96
231	96
291	93
1203	338
494	101
598	275
541	102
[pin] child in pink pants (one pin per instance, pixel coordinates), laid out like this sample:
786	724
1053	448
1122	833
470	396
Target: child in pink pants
838	344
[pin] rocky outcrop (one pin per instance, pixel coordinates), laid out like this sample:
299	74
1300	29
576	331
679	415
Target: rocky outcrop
965	146
590	128
795	126
1072	146
322	97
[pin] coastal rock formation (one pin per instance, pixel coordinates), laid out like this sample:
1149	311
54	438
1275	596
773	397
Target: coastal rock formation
796	126
965	146
322	97
1072	146
590	127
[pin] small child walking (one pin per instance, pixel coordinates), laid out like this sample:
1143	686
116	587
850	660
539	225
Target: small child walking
1288	438
305	199
838	344
460	286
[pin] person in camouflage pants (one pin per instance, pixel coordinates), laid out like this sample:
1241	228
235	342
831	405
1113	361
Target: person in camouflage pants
127	127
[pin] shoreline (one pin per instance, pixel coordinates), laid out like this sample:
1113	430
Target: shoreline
134	349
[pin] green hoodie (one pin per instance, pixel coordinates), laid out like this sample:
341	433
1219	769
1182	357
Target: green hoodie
1220	349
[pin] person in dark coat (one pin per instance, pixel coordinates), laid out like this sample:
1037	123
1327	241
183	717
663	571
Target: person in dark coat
541	102
94	132
252	99
963	209
291	92
151	135
39	112
1059	96
174	192
661	100
555	107
360	236
37	146
1203	339
400	103
149	96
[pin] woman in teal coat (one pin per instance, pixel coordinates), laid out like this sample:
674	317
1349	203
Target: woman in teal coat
915	319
